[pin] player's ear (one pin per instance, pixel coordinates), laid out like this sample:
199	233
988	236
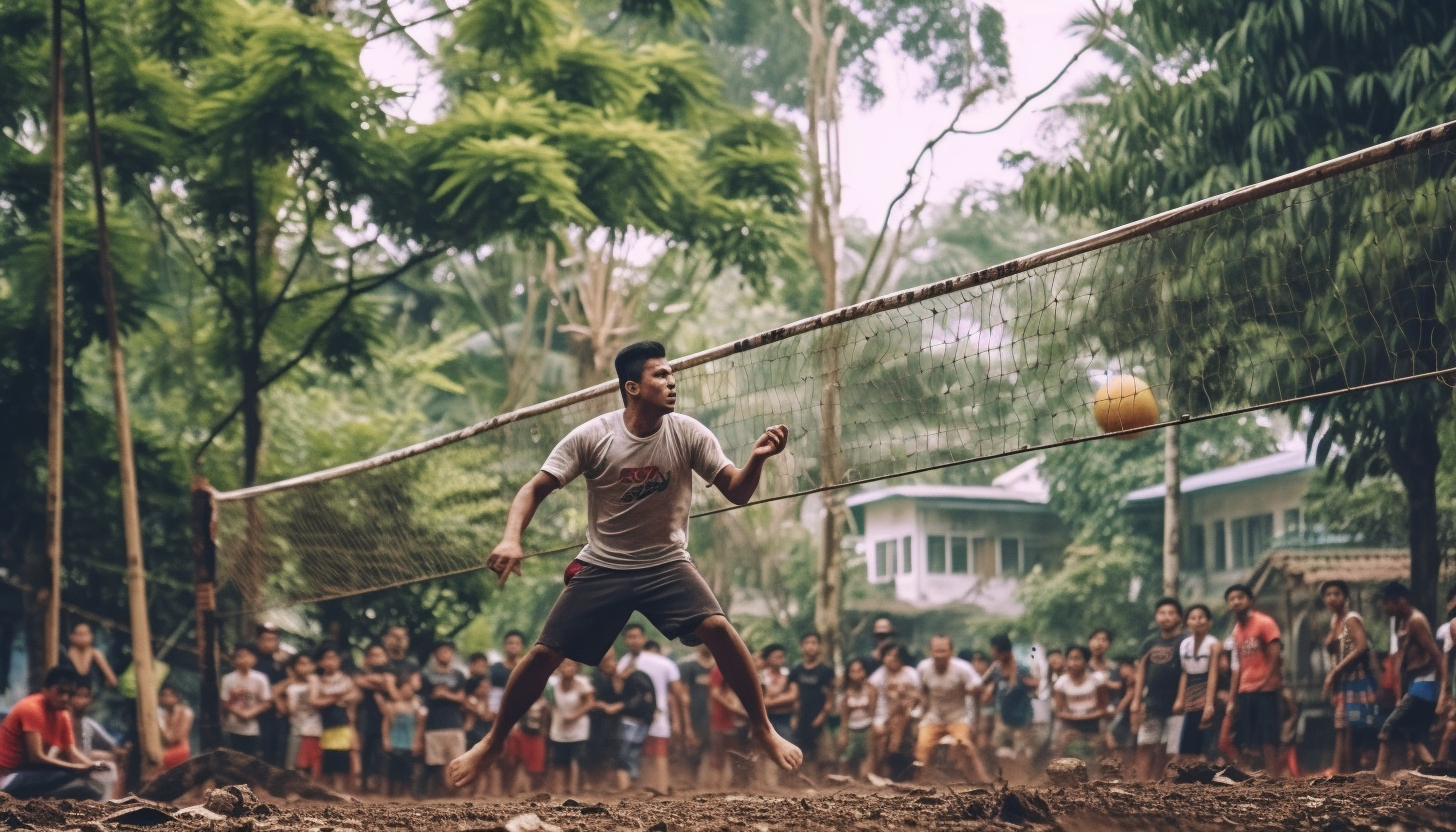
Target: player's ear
633	388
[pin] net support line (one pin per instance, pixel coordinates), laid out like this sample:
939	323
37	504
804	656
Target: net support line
1357	160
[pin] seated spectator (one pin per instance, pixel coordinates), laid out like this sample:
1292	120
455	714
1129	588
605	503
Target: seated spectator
96	742
175	719
38	754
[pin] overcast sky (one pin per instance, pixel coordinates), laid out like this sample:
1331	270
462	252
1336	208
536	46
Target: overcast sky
878	145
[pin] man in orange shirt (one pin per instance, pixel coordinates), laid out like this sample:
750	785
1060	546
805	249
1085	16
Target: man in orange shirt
38	755
1258	678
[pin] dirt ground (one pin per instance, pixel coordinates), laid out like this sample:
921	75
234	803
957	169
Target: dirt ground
1331	804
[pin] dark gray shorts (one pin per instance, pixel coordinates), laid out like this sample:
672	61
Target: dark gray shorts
596	603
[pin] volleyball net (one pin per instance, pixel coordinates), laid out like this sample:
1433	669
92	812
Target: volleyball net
1330	279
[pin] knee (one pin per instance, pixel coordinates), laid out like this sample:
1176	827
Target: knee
540	653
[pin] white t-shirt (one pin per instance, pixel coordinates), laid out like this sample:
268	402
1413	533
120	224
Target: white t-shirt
243	692
662	671
303	717
1081	697
566	699
638	489
1443	635
902	685
1199	661
945	693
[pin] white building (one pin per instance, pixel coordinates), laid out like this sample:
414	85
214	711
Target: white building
959	544
1231	516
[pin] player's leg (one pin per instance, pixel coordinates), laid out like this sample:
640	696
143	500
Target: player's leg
527	682
737	668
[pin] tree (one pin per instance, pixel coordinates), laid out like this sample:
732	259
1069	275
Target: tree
1238	92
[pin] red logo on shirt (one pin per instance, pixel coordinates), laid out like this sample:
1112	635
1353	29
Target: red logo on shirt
651	472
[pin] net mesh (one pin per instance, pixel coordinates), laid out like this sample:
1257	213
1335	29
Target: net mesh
1321	288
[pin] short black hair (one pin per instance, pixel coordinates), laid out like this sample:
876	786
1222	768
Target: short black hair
772	649
295	659
477	657
64	674
1343	587
1104	631
811	634
1393	591
630	627
1244	588
327	647
981	655
1002	642
245	648
443	643
632	360
1169	601
517	633
1055	651
898	649
1206	611
966	654
1078	648
652	646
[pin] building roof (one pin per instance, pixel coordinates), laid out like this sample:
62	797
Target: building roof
1312	566
962	493
1274	465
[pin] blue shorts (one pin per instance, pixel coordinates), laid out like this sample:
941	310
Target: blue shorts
631	736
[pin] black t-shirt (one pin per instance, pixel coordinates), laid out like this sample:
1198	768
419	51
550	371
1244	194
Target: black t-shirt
1163	669
695	678
639	697
270	667
816	685
445	714
403	669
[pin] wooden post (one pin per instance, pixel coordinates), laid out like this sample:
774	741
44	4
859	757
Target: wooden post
204	576
55	445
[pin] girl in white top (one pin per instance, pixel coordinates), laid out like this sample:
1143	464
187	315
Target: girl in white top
857	711
571	697
303	717
1198	655
1079	699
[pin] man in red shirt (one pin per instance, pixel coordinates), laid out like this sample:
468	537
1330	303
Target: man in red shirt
38	756
1258	678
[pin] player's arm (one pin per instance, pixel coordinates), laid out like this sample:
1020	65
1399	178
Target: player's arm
738	484
506	559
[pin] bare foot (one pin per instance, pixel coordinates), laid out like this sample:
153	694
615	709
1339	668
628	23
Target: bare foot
781	751
467	766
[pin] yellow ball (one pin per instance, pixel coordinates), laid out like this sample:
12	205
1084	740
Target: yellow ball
1125	403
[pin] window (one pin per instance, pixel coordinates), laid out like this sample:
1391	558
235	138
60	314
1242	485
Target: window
909	565
882	559
983	552
959	556
1010	556
1195	556
1239	531
935	555
1220	546
1261	531
1291	522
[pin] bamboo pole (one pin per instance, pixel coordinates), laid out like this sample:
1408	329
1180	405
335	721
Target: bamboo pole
55	430
148	731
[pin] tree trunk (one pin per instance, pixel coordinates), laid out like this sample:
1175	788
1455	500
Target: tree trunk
148	731
204	577
251	576
1414	452
50	594
1172	514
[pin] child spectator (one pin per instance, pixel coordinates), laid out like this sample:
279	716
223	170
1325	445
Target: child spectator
728	726
857	716
376	684
1011	685
1079	702
571	699
445	714
245	693
526	749
403	741
38	754
1198	659
1159	728
898	686
175	719
96	742
305	728
605	718
697	672
83	657
334	694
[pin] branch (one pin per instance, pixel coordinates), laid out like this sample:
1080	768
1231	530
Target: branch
951	129
304	246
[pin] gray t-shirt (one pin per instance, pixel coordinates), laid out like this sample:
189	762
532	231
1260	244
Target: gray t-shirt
639	489
945	693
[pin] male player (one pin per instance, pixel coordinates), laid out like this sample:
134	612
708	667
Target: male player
638	463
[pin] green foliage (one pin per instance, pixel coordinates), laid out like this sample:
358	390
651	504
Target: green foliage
1094	588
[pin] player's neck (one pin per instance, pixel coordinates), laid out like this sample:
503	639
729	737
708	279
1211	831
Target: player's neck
642	420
